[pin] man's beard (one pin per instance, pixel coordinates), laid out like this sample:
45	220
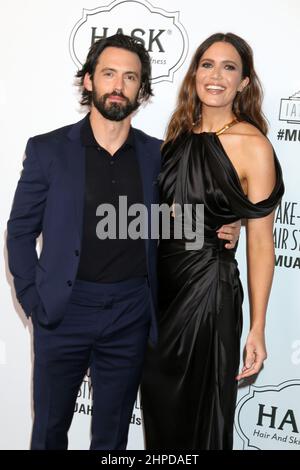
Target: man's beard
114	111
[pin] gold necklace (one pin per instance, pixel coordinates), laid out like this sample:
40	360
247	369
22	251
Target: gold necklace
227	126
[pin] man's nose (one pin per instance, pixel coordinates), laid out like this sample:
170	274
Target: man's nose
118	85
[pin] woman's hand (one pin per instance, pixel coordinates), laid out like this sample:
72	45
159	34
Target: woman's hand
254	354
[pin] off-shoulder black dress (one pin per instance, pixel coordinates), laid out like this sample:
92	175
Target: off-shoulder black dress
189	389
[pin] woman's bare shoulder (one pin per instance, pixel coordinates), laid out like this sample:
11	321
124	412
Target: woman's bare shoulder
250	141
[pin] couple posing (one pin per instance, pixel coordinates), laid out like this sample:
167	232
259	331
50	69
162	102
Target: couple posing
94	303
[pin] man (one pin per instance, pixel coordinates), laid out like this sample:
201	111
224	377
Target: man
91	300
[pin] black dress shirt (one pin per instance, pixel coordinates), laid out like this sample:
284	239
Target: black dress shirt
107	178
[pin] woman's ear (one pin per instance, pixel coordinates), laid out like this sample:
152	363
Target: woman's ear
243	84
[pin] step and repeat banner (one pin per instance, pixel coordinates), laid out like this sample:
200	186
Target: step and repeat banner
42	45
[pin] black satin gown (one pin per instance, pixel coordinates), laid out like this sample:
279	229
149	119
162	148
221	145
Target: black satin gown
189	388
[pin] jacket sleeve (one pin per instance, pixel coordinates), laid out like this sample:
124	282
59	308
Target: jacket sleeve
24	227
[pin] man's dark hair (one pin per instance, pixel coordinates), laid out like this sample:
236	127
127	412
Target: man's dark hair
123	42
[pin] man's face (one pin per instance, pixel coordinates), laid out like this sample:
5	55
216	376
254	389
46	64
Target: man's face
116	83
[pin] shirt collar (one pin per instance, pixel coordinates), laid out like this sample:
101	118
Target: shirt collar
88	139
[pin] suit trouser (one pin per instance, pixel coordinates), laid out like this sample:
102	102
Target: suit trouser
105	328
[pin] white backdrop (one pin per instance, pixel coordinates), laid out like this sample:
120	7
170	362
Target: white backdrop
39	44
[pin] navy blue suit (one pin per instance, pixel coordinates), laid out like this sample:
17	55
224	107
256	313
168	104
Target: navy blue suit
50	200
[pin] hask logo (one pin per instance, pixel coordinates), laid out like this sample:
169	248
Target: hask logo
268	417
290	109
158	30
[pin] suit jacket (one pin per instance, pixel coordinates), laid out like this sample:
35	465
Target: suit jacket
49	199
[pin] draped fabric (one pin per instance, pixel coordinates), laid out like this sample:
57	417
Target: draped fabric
189	388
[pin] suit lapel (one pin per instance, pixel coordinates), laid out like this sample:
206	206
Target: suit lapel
75	152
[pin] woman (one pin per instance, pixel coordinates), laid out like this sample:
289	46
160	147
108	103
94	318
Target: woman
215	154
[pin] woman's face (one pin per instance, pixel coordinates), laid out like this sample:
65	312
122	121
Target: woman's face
219	76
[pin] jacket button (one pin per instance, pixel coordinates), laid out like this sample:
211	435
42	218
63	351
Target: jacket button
69	283
76	252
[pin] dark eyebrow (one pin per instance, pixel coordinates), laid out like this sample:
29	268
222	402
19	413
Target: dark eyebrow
223	61
107	69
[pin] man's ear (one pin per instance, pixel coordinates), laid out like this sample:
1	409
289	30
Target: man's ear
87	82
140	94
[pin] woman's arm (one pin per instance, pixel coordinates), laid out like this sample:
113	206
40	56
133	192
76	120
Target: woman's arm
260	177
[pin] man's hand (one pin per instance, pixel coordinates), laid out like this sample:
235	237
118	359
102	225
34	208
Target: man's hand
230	233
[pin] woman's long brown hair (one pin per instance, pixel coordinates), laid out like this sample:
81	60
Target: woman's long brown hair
246	106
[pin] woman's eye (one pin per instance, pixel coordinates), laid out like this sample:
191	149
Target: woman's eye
229	67
206	65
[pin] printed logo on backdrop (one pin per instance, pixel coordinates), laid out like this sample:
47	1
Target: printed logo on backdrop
269	417
84	405
290	113
287	235
160	31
